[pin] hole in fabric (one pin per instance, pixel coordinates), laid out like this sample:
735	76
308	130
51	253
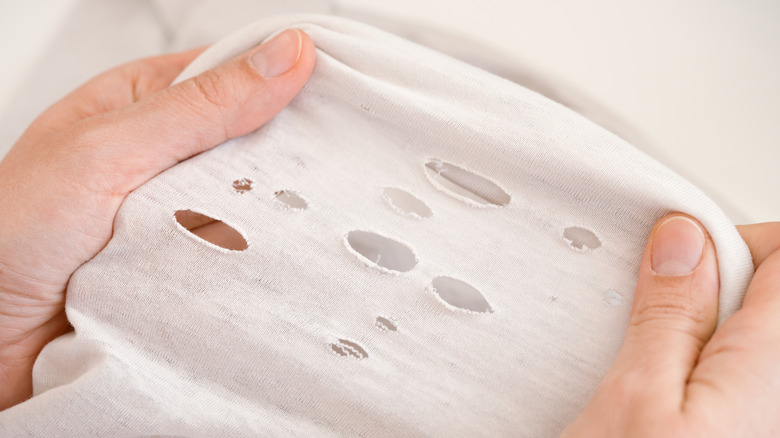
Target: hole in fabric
243	185
460	294
581	238
612	298
382	251
465	185
386	324
211	230
406	203
291	199
348	348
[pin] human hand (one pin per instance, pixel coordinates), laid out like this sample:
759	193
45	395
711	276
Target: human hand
676	375
64	180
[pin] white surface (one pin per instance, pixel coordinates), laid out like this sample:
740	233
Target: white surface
698	78
25	29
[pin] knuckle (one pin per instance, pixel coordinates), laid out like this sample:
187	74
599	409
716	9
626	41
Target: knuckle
210	89
137	74
669	304
210	97
146	76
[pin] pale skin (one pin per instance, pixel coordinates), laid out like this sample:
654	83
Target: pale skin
64	180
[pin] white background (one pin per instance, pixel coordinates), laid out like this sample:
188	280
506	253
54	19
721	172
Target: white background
699	78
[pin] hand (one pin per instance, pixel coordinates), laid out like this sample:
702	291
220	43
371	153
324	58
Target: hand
676	375
64	180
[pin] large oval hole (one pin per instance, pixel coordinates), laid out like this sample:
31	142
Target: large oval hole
465	185
211	230
460	294
382	251
406	203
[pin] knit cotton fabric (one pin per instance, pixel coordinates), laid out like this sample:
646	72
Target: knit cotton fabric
419	248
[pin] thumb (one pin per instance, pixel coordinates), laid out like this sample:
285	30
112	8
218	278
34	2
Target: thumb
199	113
675	310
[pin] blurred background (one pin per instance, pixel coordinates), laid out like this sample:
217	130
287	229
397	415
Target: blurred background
694	83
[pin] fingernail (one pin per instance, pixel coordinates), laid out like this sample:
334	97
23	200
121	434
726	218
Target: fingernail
678	245
278	55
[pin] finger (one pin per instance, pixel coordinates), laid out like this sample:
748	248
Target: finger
740	363
228	101
674	312
761	305
762	239
762	299
115	89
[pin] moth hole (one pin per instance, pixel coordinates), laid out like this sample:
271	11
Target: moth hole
382	251
612	298
386	324
581	238
243	185
465	185
460	294
211	230
291	199
406	203
349	349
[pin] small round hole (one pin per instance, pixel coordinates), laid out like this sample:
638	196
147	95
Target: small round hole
386	324
291	199
242	185
349	349
581	238
612	298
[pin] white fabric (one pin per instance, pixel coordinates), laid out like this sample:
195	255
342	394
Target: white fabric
175	336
